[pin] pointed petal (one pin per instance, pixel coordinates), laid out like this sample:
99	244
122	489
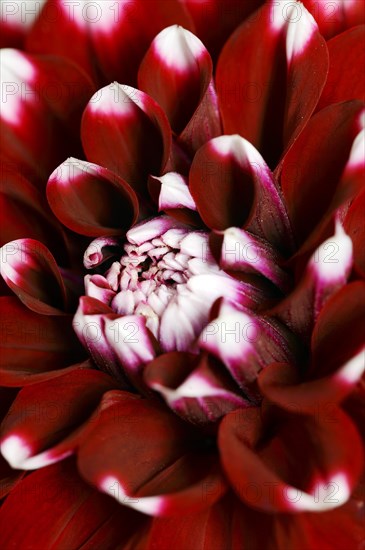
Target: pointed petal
41	425
122	125
297	468
291	74
354	226
232	186
91	200
170	481
30	270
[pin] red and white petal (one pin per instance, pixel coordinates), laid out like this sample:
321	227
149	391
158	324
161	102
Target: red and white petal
336	16
97	286
43	102
327	142
30	270
34	347
58	509
42	423
91	200
327	271
176	72
344	82
16	19
307	464
193	387
100	250
244	343
232	186
174	192
293	57
170	481
121	126
242	251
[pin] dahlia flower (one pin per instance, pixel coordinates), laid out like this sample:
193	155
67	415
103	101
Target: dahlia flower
183	291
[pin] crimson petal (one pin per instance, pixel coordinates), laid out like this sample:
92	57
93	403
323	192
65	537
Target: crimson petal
335	128
41	425
170	481
59	510
122	125
91	200
336	16
34	347
270	102
30	270
308	463
232	186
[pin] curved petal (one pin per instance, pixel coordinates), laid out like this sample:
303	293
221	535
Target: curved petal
344	82
194	387
122	125
59	510
232	186
43	102
177	72
170	481
290	76
30	270
326	143
105	37
91	200
326	272
245	344
16	20
34	346
309	464
42	423
336	16
26	214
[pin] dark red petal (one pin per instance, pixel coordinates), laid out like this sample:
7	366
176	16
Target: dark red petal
269	102
232	186
345	81
44	101
26	214
41	426
298	467
215	21
336	16
338	334
194	387
326	143
30	270
91	200
121	126
355	227
108	37
326	272
33	346
170	480
55	508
